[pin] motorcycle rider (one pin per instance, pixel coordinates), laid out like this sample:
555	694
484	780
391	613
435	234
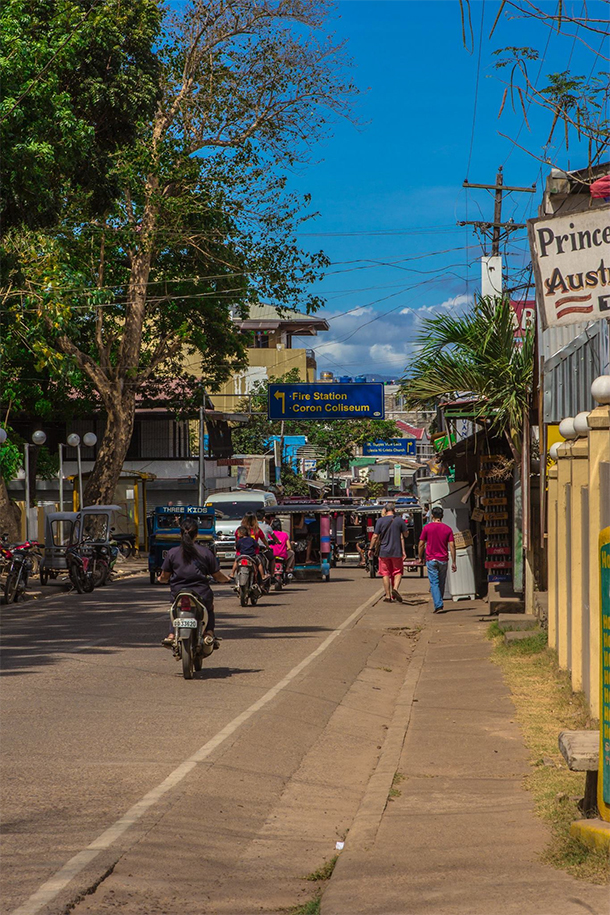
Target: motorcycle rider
264	523
282	548
187	567
245	545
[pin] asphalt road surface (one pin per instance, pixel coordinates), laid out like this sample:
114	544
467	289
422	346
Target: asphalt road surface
133	790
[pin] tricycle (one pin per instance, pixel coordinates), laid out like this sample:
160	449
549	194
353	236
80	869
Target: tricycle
164	531
57	537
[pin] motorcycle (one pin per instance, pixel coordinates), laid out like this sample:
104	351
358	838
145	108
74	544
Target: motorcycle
18	562
192	644
90	565
79	559
248	587
281	577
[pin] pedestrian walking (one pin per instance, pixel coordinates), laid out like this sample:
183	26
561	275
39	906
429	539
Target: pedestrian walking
435	543
390	532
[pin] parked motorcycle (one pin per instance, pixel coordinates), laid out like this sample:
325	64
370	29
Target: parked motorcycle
280	576
90	565
18	563
248	587
192	643
79	558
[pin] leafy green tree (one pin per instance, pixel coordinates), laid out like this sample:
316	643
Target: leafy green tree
77	78
140	301
477	353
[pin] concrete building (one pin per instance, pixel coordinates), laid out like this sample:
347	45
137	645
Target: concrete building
271	353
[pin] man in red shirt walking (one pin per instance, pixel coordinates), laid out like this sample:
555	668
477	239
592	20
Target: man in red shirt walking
436	541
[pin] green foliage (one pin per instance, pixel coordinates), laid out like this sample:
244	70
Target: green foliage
293	483
476	353
164	142
77	78
11	457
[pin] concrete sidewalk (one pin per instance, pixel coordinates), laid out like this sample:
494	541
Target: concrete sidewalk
462	837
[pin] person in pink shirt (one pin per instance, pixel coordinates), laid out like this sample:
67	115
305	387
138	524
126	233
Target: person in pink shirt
282	548
435	543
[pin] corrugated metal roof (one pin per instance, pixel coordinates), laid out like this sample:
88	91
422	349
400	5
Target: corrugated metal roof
568	374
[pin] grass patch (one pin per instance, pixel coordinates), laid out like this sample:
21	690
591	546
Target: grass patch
323	873
312	907
546	705
394	791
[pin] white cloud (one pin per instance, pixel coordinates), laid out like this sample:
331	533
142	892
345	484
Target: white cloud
381	352
368	340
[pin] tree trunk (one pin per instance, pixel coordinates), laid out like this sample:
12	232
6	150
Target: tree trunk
115	443
9	515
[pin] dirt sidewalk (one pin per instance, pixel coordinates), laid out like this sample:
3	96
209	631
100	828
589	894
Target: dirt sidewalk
454	832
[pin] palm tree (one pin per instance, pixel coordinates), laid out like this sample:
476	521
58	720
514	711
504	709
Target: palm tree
479	354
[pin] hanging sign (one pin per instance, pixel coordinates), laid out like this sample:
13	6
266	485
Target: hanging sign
395	447
324	401
571	258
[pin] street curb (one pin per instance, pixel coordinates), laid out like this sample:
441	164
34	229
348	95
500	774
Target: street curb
35	597
363	831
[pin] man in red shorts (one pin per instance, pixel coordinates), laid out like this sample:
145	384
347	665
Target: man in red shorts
390	531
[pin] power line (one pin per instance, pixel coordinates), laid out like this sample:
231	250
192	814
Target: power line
476	89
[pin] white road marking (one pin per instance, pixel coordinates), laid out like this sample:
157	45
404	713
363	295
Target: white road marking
55	884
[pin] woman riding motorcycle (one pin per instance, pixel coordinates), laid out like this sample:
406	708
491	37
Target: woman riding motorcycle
187	567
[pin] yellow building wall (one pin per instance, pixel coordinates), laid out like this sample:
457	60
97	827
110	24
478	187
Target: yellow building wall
263	363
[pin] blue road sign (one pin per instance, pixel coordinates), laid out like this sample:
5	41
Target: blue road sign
323	401
396	447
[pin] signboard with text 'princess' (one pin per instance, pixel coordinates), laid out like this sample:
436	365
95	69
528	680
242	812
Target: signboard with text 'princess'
571	258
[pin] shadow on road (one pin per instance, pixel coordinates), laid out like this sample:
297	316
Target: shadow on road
222	673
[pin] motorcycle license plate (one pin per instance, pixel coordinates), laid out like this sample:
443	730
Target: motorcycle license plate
185	624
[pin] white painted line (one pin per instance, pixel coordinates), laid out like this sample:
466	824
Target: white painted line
55	884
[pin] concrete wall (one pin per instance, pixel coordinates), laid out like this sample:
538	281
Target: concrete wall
578	509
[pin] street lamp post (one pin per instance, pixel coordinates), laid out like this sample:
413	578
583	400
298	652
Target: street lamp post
89	440
38	438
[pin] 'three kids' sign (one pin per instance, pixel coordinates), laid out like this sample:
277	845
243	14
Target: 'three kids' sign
571	257
323	401
402	447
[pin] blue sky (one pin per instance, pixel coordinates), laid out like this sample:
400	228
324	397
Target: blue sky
391	190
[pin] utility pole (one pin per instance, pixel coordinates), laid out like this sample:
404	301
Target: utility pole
202	480
491	285
491	267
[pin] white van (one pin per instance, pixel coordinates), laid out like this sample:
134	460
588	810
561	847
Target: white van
230	507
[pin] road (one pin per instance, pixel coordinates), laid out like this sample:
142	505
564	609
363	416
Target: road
235	784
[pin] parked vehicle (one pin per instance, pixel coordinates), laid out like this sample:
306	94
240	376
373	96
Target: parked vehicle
58	536
164	532
79	559
248	587
91	552
230	507
192	644
19	561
